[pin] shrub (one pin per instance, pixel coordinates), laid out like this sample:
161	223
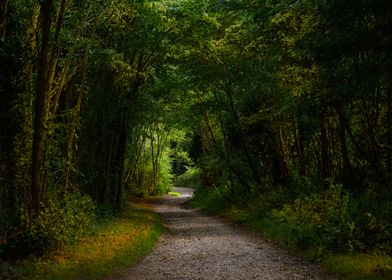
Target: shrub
270	197
190	178
213	199
165	177
319	220
371	228
60	222
369	232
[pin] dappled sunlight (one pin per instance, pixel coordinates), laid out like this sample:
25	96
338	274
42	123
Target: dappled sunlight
196	245
117	242
273	114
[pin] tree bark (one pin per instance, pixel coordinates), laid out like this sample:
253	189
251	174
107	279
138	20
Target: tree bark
41	106
73	121
347	168
122	149
3	19
325	166
108	173
249	160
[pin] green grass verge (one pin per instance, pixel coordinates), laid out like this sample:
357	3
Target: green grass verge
115	243
361	266
372	266
174	193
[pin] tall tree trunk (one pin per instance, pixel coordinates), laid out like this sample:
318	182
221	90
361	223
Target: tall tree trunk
73	122
108	173
206	118
41	106
48	55
389	135
243	146
325	166
139	146
286	174
228	160
122	150
347	168
3	19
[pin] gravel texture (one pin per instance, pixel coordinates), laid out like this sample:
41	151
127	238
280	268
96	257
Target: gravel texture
199	246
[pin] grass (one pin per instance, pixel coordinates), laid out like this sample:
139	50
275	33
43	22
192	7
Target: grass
361	266
114	244
372	266
174	193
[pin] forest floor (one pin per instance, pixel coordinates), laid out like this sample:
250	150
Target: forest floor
196	245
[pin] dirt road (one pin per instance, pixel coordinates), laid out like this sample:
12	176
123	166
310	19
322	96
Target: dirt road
198	246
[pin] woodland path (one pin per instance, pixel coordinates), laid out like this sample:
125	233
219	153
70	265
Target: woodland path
196	245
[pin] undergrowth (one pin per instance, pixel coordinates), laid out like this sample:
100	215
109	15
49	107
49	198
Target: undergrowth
332	227
113	243
189	179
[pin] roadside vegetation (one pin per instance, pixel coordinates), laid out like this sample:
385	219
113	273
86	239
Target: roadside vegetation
278	111
110	244
323	228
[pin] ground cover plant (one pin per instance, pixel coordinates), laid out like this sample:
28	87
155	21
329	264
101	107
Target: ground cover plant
111	243
278	111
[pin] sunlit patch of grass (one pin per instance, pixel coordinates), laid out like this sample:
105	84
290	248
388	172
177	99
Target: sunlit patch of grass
361	266
174	193
114	244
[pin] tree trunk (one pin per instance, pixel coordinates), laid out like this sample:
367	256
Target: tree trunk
228	159
122	150
325	166
73	121
389	137
3	19
108	173
347	168
281	175
243	146
41	107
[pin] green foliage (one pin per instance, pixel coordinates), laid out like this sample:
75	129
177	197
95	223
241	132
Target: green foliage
361	266
181	162
319	224
369	232
318	221
165	176
189	179
215	200
271	100
329	221
60	222
261	202
114	243
151	174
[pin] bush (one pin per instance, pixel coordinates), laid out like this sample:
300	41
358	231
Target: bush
368	233
189	179
318	221
165	177
214	199
371	228
60	222
270	197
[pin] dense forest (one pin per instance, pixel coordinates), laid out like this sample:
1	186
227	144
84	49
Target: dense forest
280	107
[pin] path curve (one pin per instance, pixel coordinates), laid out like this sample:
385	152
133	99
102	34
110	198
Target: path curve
198	246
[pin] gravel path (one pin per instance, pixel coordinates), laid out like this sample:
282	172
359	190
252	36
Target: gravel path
198	246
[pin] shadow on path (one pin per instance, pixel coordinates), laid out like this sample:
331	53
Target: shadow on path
198	246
